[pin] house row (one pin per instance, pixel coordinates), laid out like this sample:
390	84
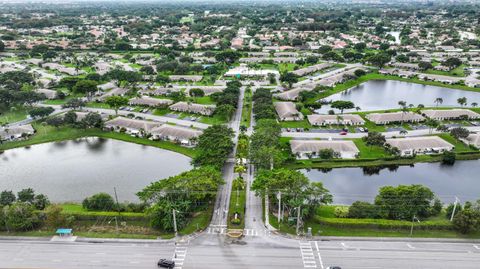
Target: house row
189	78
410	146
206	110
343	119
451	114
290	95
387	118
155	130
150	101
311	69
305	149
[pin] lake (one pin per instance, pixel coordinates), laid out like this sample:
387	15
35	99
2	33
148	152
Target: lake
72	170
351	184
385	94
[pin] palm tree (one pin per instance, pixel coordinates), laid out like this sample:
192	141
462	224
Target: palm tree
240	169
403	132
431	124
238	184
474	104
462	101
403	107
438	101
357	108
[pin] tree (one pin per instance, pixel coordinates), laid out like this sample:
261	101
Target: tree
20	216
360	72
196	92
425	65
264	144
289	78
449	157
116	102
403	202
327	154
228	56
452	62
225	111
2	46
466	221
123	45
462	101
459	132
70	117
374	139
7	198
41	112
26	195
74	103
214	146
379	59
342	105
360	46
55	121
40	202
438	100
92	120
185	193
297	191
87	87
99	202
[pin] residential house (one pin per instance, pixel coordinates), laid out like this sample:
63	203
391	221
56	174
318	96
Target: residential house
11	133
340	119
394	117
305	149
450	114
206	110
420	145
287	111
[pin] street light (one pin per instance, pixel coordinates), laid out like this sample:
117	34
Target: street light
413	221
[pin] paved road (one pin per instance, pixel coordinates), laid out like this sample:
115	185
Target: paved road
212	251
163	119
410	133
326	75
220	216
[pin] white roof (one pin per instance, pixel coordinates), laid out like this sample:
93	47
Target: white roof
450	113
299	146
418	143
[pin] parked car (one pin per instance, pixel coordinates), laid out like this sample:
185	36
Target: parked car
343	133
334	267
166	263
361	129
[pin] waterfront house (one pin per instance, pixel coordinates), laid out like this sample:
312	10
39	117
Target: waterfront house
341	119
420	145
304	149
394	117
287	111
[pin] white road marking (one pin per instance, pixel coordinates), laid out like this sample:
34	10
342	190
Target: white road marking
410	246
320	259
308	257
344	245
476	247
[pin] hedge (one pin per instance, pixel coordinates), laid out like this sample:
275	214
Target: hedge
384	224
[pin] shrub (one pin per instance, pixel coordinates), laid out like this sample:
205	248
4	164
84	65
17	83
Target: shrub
341	212
20	217
362	210
99	202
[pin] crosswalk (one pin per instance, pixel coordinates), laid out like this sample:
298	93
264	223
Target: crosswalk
221	230
308	256
180	254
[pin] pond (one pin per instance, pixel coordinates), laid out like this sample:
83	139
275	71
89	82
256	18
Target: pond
72	170
385	94
351	184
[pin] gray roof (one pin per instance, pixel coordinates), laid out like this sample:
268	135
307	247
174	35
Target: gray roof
394	117
7	132
120	122
418	143
287	110
149	101
299	146
193	108
311	69
316	119
181	133
450	114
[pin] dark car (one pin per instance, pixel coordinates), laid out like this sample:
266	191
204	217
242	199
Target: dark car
166	263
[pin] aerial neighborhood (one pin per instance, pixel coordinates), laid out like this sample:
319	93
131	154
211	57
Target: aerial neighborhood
186	122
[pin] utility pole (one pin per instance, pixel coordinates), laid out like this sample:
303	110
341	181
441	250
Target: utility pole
279	206
118	208
298	219
174	223
454	208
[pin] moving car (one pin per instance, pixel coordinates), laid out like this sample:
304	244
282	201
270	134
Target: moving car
343	133
166	263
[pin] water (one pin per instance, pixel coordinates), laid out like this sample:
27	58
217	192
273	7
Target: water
73	170
385	94
351	184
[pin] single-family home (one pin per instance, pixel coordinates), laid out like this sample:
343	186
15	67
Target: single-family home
184	135
193	108
387	118
409	146
304	149
450	114
287	111
340	119
131	126
11	133
150	101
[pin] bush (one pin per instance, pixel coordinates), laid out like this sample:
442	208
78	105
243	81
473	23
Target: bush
341	212
20	217
99	202
362	210
449	157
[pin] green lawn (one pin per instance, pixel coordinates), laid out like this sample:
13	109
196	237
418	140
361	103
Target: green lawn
369	152
14	115
456	72
247	108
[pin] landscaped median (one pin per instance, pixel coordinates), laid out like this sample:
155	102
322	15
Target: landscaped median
236	211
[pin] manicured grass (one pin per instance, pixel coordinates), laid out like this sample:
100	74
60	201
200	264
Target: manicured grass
369	152
13	115
326	213
46	134
456	72
205	100
296	124
459	146
237	207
